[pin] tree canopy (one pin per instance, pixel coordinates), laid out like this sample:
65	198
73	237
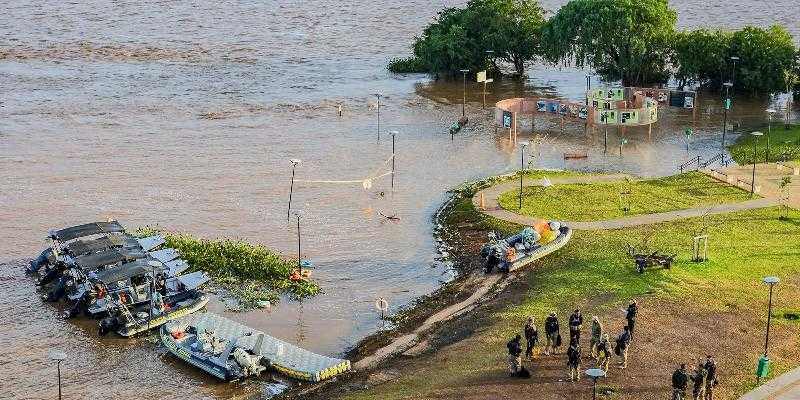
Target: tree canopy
627	40
460	37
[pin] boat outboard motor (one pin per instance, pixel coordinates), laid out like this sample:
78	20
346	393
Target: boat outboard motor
39	261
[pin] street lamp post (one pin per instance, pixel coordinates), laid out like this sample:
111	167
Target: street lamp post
595	374
295	162
298	214
770	112
733	75
378	107
464	97
521	170
755	145
393	133
489	54
771	281
726	106
58	356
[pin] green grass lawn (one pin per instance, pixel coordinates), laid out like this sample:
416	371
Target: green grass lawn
599	201
743	248
784	145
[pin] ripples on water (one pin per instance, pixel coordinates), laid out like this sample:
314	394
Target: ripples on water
186	115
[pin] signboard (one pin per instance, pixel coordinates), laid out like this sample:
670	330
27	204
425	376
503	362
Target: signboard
583	113
728	104
507	117
541	106
552	107
688	101
629	117
608	117
481	77
688	132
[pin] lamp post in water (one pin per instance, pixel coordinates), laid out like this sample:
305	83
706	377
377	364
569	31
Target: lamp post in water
726	106
464	97
755	145
378	107
298	214
733	74
595	374
763	362
58	356
770	112
521	170
393	133
295	162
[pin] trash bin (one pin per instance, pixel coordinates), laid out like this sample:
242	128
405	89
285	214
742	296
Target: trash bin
763	367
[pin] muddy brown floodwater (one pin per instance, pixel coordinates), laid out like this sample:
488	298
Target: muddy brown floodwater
185	114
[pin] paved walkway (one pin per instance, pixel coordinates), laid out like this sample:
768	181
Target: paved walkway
784	387
492	206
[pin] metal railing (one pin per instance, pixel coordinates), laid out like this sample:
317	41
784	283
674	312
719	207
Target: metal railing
719	157
687	164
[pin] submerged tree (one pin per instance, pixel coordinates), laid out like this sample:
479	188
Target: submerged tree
460	38
766	55
701	57
620	39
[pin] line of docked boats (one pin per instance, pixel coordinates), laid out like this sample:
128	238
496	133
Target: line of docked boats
135	284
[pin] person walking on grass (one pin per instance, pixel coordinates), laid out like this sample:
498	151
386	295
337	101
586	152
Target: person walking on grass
630	316
699	380
514	352
603	353
623	343
575	325
711	377
597	334
680	379
551	332
531	337
574	361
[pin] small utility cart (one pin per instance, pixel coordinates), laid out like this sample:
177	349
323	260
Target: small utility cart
650	260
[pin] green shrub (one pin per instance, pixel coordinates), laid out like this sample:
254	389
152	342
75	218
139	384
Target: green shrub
409	65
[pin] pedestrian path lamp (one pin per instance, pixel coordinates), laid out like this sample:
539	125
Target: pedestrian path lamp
299	214
378	107
464	97
58	356
733	77
755	145
770	112
393	133
726	106
521	170
295	162
763	362
595	374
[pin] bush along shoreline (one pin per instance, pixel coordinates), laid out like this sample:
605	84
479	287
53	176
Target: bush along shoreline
246	275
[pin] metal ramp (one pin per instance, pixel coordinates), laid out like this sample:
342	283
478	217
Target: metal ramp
287	358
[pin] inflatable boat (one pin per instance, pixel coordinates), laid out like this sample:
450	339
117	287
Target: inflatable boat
525	247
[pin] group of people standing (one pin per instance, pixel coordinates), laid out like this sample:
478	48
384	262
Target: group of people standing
704	379
600	346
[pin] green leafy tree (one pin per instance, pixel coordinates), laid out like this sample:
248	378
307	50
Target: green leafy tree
620	39
701	57
460	37
766	55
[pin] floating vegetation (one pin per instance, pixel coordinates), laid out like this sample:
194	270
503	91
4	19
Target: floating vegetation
252	275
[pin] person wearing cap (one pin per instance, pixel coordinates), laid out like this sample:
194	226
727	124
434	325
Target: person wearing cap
680	380
531	337
551	332
597	333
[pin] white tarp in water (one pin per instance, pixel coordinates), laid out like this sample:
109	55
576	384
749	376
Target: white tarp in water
285	357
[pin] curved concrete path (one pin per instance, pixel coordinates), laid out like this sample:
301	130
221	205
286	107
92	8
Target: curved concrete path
493	208
784	387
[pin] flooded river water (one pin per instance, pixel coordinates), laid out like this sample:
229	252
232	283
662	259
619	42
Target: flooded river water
185	115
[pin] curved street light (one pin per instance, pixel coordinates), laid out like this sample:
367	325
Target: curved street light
770	111
295	162
595	374
58	356
523	145
755	145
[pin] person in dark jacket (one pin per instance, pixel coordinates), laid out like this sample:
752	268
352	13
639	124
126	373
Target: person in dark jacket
680	380
711	379
574	361
551	332
531	337
630	316
623	343
699	380
575	324
514	352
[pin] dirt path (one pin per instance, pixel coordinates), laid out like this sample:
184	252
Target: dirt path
492	206
412	339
